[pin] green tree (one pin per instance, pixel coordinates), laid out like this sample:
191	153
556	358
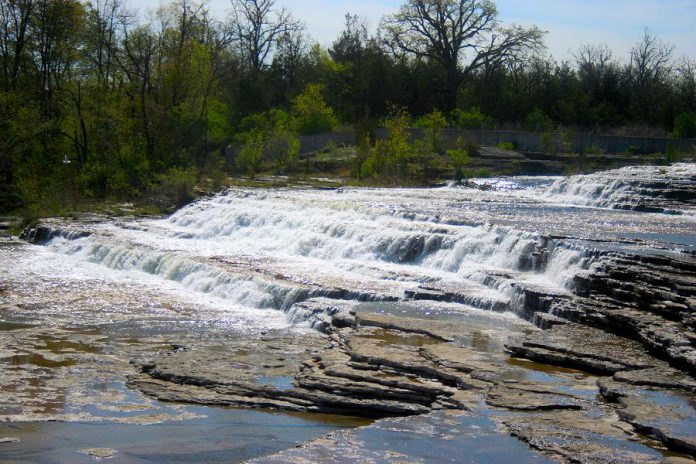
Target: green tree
312	114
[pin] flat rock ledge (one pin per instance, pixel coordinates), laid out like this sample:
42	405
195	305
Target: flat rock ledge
375	366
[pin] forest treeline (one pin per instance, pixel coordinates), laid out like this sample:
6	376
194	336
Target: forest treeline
97	102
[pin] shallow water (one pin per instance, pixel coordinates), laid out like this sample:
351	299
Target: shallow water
216	435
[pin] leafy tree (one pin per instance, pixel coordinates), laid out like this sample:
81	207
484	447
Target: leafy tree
433	125
312	114
472	119
537	121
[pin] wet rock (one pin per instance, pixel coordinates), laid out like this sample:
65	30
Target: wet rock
99	453
585	348
522	399
579	437
668	415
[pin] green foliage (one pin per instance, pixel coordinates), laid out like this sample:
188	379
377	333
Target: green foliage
459	157
568	141
473	119
395	152
548	144
250	155
283	148
131	103
685	125
218	114
176	185
312	114
507	146
433	124
537	121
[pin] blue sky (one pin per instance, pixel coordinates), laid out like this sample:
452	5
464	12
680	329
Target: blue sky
619	23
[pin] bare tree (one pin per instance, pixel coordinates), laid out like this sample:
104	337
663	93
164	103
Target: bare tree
686	82
593	61
650	60
461	35
257	27
648	73
14	22
102	38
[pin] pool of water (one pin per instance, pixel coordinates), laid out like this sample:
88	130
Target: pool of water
217	435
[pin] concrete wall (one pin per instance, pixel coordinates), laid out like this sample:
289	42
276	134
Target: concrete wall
525	141
530	141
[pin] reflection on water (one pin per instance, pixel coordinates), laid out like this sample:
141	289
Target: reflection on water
217	436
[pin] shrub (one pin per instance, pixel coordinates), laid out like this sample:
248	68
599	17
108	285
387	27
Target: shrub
537	121
685	125
433	124
547	142
472	119
176	185
283	147
507	146
396	149
250	155
459	157
312	114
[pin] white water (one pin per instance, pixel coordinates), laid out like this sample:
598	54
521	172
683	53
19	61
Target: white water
620	188
255	251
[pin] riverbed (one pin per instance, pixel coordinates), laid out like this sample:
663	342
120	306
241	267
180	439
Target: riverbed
204	336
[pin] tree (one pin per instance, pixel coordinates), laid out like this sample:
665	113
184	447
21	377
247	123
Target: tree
461	35
14	23
313	115
257	27
648	72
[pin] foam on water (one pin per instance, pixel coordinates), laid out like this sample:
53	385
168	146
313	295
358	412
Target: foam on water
269	249
373	239
625	188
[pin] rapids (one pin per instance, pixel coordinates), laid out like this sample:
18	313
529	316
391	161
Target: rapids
256	250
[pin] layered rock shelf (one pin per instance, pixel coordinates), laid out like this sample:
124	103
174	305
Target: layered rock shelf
572	335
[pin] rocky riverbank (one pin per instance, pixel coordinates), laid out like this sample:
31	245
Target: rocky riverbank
445	316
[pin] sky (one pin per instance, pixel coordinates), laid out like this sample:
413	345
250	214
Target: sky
570	23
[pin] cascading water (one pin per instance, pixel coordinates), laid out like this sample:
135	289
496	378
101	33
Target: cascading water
650	188
271	249
228	296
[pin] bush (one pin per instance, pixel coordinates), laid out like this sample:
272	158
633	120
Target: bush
176	185
537	121
507	146
396	149
472	119
433	124
283	147
250	156
685	125
460	158
312	114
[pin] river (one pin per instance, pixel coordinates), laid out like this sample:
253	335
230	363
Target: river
95	299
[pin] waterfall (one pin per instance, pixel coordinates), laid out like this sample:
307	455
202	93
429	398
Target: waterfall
273	249
666	189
